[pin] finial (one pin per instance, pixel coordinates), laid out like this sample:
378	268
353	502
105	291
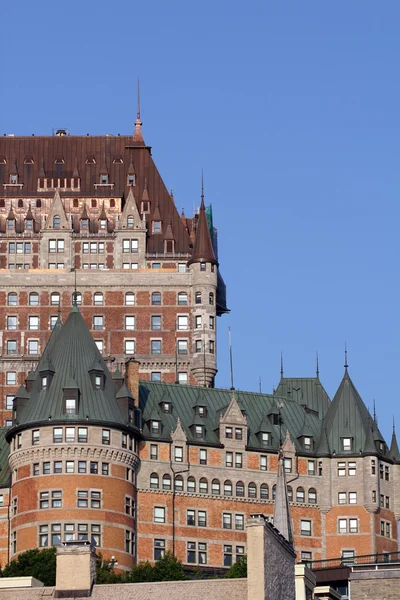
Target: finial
281	364
394	427
183	212
317	372
345	356
137	136
202	187
138	99
374	411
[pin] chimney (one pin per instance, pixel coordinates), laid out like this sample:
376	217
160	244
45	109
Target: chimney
132	378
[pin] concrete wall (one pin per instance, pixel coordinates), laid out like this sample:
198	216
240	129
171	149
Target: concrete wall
372	583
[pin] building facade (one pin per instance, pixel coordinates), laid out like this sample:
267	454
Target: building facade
92	215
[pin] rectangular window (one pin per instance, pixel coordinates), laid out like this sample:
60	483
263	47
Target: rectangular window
57	435
228	432
212	322
159	549
203	457
239	522
311	467
287	465
201	518
305	527
227	556
342	525
44	500
342	498
182	347
11	323
35	437
98	322
341	469
56	499
191	517
229	459
46	468
198	321
178	453
191	553
11	378
70	435
43	536
153	451
159	514
105	437
35	469
352	497
94	468
353	525
156	376
387	473
346	444
238	433
129	346
155	346
129	323
183	323
82	499
82	434
238	460
70	466
156	322
227	521
82	466
351	469
57	466
11	347
33	347
104	468
263	463
95	499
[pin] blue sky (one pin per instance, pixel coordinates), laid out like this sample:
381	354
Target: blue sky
292	108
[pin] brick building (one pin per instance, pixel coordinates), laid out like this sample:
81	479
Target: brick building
93	214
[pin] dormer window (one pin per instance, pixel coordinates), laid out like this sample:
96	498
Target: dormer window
265	438
155	427
202	411
103	224
13	179
228	432
129	221
56	222
346	444
145	206
97	382
70	406
28	224
103	179
307	443
131	414
10	223
44	383
199	432
167	407
84	223
156	226
131	179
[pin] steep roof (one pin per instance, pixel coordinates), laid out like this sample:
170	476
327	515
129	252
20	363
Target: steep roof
203	250
307	391
5	472
348	417
73	354
256	407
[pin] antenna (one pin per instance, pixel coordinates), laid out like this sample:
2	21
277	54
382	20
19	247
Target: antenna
281	364
259	383
202	185
375	413
345	356
317	372
231	358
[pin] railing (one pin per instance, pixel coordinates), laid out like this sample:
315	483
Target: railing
365	559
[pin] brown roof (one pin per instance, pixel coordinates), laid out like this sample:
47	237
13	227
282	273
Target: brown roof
75	152
203	250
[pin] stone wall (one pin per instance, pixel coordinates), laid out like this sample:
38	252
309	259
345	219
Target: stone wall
370	584
220	589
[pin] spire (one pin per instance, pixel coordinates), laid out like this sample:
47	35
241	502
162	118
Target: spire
282	520
138	136
281	364
75	173
394	448
104	169
317	369
168	232
375	421
345	357
203	250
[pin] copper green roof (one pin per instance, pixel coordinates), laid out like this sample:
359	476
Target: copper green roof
256	407
4	452
307	391
72	353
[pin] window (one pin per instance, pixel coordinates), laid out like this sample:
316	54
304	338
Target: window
227	488
212	322
227	521
55	299
191	517
46	468
203	457
182	377
199	345
387	502
238	433
159	549
239	522
305	527
351	469
287	465
238	460
215	487
203	486
155	376
228	432
183	322
342	525
11	378
130	299
33	299
35	469
212	347
156	226
156	298
312	496
348	557
33	323
229	459
11	347
166	482
95	499
341	466
70	406
155	346
167	408
130	221
240	489
300	496
70	466
227	556
159	514
252	490
98	299
94	468
198	322
33	347
57	435
57	466
182	346
9	402
346	444
82	499
342	498
56	222
53	321
264	492
82	434
56	499
182	299
44	500
352	497
11	323
105	437
191	485
129	323
178	453
156	322
387	473
211	298
198	298
353	525
12	299
129	346
199	431
98	322
311	467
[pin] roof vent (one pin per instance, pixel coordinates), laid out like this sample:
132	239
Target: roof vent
61	132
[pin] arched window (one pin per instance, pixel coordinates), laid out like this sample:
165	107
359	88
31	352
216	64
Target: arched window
55	299
312	496
154	481
252	490
38	204
94	203
198	297
264	491
273	492
227	488
33	299
12	299
98	299
240	489
20	203
129	299
211	298
203	486
191	484
215	487
182	299
179	483
166	482
75	203
300	497
56	222
129	221
290	493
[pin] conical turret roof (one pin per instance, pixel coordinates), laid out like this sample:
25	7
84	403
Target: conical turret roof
203	250
394	448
